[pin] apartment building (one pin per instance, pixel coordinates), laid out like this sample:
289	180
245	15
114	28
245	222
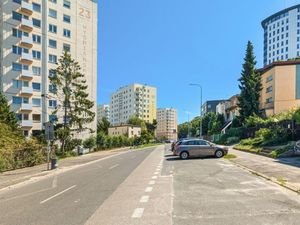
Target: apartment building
127	130
282	35
167	124
133	100
33	36
103	111
280	87
210	106
229	108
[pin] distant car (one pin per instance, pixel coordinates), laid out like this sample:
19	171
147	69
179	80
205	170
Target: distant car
197	148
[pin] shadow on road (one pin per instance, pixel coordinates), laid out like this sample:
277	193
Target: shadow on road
295	161
177	158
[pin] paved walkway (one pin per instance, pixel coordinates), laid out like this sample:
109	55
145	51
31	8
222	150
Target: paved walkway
13	177
285	172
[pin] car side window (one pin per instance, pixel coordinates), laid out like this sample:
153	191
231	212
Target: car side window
202	143
190	143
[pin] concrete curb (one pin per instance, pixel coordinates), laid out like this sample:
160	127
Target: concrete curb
272	179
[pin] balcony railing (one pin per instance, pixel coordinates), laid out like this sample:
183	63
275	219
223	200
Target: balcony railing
26	7
26	24
26	90
26	123
26	41
26	74
26	107
26	58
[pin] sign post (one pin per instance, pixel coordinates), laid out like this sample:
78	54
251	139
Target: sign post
49	133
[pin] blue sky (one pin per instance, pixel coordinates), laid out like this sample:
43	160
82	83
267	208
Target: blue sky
171	43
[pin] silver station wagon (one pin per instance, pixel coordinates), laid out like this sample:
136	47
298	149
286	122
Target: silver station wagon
198	148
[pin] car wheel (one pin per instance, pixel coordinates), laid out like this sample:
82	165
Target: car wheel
219	154
184	155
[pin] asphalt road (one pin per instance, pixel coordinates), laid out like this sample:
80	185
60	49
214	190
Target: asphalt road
151	187
68	198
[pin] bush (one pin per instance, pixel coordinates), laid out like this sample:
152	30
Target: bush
73	144
89	143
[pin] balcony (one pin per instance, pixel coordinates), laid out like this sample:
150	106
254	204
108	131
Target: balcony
26	107
26	58
26	91
26	7
26	74
26	42
26	123
26	24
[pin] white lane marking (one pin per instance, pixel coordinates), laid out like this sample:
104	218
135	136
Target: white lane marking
60	193
138	213
148	189
54	182
144	199
114	166
156	173
154	177
151	182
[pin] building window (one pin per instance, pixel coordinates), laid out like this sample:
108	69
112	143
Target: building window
17	16
36	71
53	13
52	43
36	22
36	7
67	18
67	4
36	38
52	88
52	103
36	54
269	89
16	100
36	86
52	28
53	1
52	58
16	67
67	33
36	102
17	33
52	73
269	100
67	47
36	117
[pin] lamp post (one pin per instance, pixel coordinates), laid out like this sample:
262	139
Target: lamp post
200	125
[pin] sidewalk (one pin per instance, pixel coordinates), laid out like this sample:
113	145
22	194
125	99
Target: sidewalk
285	171
13	177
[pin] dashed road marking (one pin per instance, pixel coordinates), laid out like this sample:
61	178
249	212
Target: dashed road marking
114	166
144	199
151	182
138	213
154	177
156	173
148	189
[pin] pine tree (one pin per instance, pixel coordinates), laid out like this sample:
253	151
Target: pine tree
250	86
71	94
6	116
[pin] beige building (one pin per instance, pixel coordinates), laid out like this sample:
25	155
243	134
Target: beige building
281	87
133	100
33	35
229	108
103	111
167	124
129	131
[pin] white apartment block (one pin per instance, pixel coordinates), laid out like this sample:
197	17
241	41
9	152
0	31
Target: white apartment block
103	111
133	100
167	123
282	35
33	36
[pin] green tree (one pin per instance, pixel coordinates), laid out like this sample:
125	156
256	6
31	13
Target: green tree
72	98
6	116
89	142
134	120
103	126
250	86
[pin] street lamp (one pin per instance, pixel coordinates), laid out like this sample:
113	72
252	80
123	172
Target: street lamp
200	127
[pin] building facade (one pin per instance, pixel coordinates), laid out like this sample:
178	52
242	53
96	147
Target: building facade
127	130
33	36
210	106
280	87
167	124
282	35
103	111
133	100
